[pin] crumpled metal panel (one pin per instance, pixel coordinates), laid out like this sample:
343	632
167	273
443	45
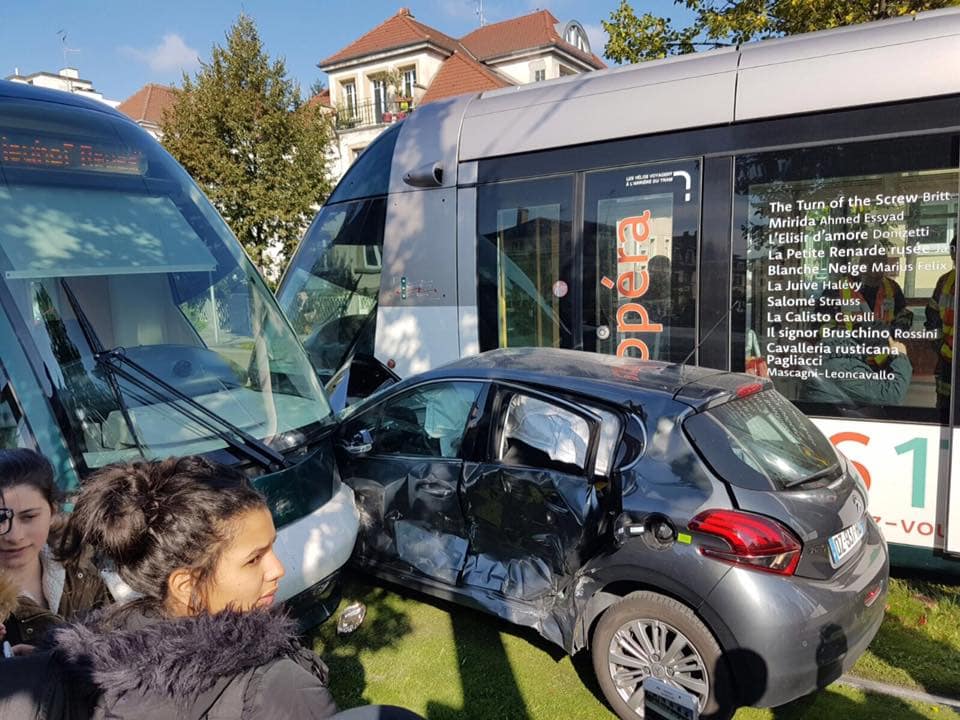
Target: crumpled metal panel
526	529
410	514
436	554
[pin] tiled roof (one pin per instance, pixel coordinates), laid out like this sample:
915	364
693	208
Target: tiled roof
396	32
322	99
462	74
528	31
148	103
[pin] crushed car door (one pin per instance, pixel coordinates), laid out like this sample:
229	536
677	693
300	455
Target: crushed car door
535	503
402	457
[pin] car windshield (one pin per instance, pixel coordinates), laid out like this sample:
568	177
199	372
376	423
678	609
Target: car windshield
106	244
762	436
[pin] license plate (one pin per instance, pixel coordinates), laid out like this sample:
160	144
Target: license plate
845	542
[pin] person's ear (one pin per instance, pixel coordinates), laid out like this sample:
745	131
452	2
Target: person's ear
180	587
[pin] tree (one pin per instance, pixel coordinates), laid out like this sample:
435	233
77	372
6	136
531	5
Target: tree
717	23
241	130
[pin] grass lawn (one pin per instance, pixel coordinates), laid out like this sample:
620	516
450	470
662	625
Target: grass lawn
450	663
918	645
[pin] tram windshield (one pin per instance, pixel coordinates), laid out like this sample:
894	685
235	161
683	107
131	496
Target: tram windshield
153	329
331	289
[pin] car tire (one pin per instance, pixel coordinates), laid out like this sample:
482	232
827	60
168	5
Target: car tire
685	637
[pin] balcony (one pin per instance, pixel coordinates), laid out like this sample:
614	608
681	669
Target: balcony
371	114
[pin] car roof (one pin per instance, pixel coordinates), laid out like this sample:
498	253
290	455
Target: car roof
617	379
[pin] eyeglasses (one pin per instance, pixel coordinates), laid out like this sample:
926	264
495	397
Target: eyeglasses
6	520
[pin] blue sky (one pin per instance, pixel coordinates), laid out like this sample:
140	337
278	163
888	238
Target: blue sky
120	46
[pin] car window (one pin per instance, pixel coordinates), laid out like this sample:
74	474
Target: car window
427	420
607	445
537	433
761	441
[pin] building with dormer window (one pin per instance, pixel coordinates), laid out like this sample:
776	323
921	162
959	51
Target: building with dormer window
402	63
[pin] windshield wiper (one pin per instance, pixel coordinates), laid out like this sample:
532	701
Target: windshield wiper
233	436
97	347
819	475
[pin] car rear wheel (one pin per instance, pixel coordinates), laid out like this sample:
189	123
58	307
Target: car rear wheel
647	634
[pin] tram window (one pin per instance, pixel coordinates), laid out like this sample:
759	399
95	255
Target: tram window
849	274
13	425
370	173
331	289
525	263
640	260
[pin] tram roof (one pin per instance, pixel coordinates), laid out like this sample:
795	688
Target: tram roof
887	61
24	91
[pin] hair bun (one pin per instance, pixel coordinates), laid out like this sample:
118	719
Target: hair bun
117	510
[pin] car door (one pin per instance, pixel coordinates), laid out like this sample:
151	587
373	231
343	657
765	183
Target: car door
402	457
535	502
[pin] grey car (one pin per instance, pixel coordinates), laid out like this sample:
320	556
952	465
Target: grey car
677	522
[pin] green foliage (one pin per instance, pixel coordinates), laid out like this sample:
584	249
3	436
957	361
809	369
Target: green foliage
242	131
716	23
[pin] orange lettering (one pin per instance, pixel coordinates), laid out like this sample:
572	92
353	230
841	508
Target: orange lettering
627	286
639	226
641	311
633	343
840	437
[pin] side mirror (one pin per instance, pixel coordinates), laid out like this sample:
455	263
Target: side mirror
361	444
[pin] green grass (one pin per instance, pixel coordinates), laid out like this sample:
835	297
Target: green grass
451	663
918	645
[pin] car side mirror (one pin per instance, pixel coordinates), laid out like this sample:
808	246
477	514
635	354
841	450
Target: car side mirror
361	444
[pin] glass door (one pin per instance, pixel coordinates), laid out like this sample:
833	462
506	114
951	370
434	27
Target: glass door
526	264
379	99
640	246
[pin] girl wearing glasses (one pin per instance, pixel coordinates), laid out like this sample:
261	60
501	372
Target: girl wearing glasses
49	589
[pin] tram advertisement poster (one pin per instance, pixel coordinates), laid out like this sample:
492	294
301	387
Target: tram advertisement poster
901	463
849	288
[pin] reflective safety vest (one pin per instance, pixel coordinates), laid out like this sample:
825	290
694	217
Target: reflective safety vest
851	299
945	302
884	305
945	308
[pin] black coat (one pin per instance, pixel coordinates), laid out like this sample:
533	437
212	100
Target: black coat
213	667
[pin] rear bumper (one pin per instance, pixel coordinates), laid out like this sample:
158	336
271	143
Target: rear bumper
792	636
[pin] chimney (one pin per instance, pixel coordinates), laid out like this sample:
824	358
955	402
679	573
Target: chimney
404	12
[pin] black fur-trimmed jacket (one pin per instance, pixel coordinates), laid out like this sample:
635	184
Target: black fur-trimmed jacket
212	667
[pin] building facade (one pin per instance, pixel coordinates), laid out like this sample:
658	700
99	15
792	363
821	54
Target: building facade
66	80
385	74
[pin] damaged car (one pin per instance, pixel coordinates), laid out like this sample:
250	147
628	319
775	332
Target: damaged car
676	522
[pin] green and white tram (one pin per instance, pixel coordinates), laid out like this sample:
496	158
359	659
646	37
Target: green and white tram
132	326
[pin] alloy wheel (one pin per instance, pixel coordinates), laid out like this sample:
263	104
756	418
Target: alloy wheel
644	648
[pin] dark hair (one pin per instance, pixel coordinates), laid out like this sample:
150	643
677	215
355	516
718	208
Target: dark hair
21	466
152	517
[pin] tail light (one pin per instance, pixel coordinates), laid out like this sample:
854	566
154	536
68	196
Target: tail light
752	541
749	389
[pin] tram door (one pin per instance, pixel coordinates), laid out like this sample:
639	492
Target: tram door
640	239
